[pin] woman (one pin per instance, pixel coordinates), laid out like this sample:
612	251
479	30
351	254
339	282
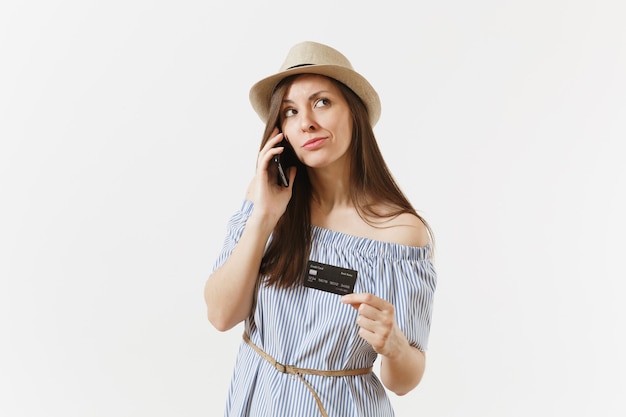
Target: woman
331	270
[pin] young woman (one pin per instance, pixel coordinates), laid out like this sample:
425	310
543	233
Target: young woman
331	270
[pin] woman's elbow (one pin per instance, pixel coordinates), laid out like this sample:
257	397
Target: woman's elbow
402	393
219	322
403	389
407	388
219	325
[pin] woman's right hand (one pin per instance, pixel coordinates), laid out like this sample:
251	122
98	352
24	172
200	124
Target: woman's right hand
270	199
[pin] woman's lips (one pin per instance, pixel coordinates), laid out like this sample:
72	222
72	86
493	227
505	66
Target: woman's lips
313	143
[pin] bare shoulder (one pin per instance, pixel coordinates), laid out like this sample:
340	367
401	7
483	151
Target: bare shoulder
406	229
403	229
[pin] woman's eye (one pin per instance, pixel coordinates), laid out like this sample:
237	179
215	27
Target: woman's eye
289	112
322	102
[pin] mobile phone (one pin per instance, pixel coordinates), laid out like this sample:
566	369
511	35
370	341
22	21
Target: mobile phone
283	161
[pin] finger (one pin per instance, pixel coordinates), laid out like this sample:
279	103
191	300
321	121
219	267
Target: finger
370	312
274	140
384	319
364	298
375	331
352	300
375	340
366	323
266	155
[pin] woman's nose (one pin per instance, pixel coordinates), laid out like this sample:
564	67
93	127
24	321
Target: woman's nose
307	121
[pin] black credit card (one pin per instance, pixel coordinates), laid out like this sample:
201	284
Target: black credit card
329	278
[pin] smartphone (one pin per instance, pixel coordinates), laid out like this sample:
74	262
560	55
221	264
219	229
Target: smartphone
283	161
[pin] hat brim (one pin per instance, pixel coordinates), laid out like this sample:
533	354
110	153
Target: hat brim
261	92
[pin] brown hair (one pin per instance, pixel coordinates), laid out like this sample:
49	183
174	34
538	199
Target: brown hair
371	183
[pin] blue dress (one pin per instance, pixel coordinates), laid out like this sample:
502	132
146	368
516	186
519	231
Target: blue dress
309	328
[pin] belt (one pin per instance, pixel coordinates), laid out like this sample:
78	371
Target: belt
292	370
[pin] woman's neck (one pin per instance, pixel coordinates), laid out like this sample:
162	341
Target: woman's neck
331	189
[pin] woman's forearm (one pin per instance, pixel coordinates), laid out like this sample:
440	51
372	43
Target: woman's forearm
403	372
229	291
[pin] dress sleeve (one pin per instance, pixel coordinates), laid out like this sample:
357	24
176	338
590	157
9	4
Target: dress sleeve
416	280
235	227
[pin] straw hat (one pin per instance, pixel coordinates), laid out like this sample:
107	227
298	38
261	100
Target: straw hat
315	58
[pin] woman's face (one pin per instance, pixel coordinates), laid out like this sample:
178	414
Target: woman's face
317	121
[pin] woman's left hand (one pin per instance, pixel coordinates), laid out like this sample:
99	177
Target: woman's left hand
377	322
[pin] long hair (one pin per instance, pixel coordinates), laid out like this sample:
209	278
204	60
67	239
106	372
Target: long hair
371	181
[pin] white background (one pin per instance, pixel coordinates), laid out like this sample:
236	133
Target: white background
127	141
